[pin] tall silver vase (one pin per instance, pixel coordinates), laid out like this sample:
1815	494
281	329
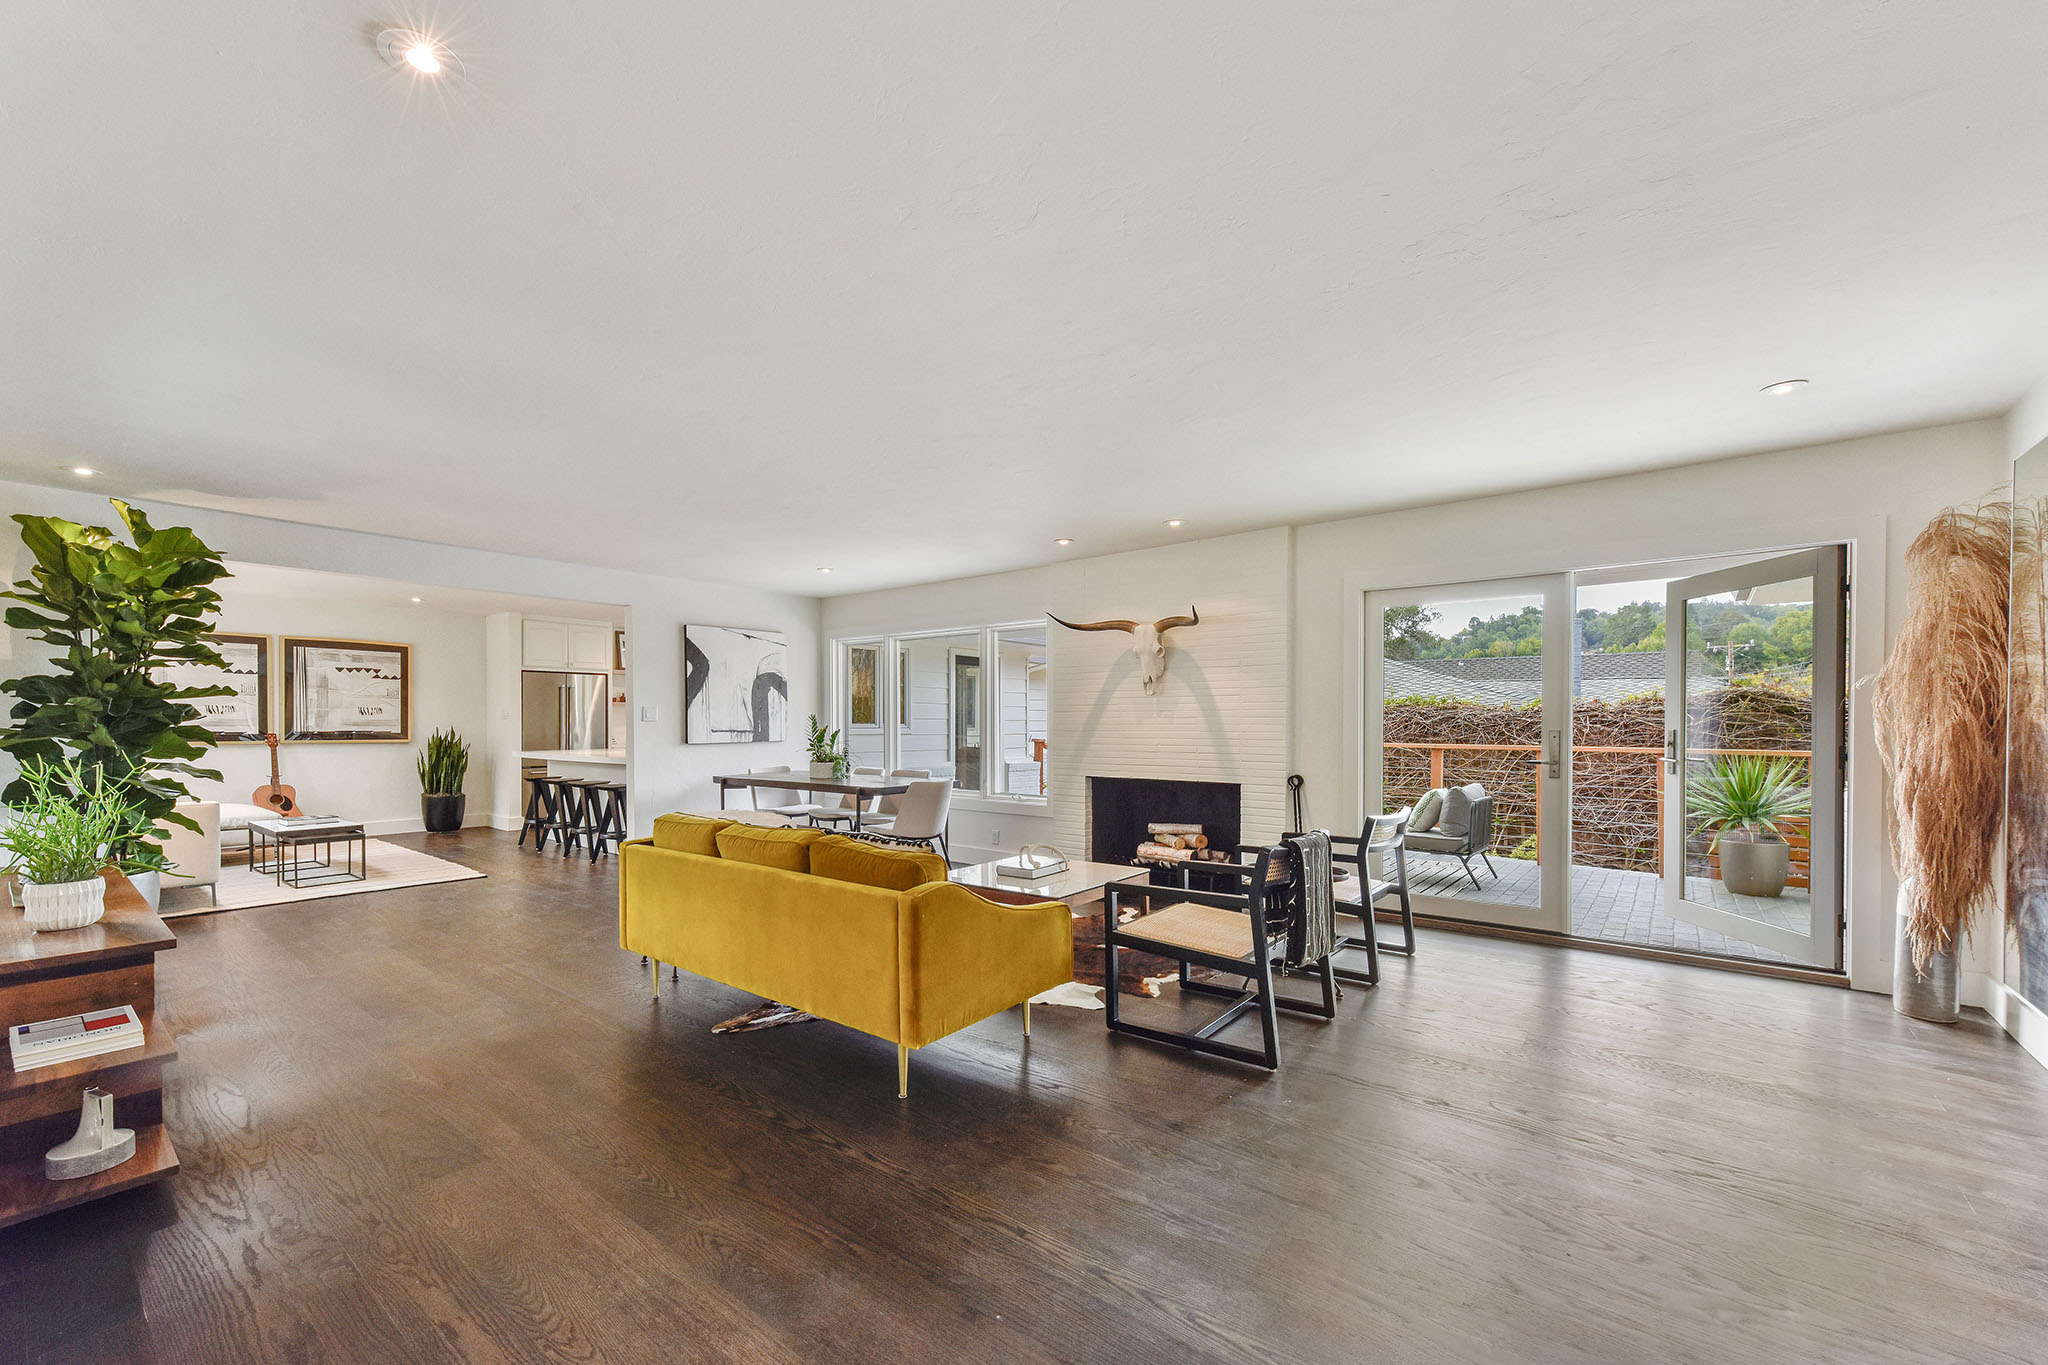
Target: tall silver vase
1929	993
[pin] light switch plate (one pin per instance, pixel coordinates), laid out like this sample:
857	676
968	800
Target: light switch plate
649	714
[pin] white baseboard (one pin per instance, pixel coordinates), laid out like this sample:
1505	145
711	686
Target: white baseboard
2029	1026
377	829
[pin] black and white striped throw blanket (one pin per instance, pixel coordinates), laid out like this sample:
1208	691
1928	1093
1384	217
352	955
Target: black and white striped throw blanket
1318	936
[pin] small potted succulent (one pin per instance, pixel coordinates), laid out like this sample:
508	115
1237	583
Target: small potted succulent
443	765
72	822
1743	800
829	761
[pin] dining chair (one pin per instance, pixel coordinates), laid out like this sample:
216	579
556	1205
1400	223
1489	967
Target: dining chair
889	805
852	805
922	819
796	811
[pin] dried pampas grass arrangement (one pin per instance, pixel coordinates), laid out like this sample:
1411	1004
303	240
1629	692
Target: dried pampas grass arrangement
1939	706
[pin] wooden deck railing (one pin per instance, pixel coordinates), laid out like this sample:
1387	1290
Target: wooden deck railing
1796	832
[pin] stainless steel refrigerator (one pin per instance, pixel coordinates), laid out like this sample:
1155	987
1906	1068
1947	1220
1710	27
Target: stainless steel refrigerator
564	710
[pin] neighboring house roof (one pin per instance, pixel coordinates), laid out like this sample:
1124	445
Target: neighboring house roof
1518	678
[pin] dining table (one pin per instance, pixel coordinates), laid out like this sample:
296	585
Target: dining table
865	785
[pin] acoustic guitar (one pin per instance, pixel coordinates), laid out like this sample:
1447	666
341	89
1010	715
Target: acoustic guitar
278	797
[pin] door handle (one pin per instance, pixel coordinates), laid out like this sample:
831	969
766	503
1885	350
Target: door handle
1553	753
1671	750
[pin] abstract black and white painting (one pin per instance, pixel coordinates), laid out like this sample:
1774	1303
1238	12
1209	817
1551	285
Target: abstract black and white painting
244	717
735	685
347	690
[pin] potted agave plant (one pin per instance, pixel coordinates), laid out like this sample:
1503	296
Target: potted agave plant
443	765
829	761
1744	799
72	822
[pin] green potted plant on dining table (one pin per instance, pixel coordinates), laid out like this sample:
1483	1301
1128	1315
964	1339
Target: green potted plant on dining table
1745	800
829	760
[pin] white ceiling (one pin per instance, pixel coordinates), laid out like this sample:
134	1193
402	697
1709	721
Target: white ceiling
281	583
736	291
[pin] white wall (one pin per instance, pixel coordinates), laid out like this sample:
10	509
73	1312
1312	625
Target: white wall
664	774
372	782
1222	715
1877	492
1230	706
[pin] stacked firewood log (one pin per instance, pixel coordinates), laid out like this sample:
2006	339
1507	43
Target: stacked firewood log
1167	843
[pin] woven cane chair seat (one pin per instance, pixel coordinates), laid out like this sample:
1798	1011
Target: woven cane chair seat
1200	928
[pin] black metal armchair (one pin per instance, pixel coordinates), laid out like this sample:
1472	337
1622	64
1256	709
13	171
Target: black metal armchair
1242	934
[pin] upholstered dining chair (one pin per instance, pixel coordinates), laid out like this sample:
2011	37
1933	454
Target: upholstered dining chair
927	807
770	799
851	805
889	805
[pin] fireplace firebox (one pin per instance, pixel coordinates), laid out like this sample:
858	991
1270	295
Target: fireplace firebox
1120	808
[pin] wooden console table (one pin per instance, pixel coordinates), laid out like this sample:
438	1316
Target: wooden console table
45	976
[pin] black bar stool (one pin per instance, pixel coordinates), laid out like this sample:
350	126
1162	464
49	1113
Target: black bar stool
604	817
571	795
542	801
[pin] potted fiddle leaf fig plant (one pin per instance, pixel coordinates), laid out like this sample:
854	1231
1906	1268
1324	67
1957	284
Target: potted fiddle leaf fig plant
829	761
71	823
443	765
112	616
1744	800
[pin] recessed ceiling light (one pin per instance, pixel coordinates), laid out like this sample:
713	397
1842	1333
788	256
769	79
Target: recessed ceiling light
82	472
1173	521
410	50
824	569
1064	540
415	599
1784	386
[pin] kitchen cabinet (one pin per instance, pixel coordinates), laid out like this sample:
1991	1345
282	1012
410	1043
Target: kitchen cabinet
559	646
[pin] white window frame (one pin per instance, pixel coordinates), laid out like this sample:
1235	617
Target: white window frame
889	683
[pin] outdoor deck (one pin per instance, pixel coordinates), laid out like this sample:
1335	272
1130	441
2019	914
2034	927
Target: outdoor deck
1618	906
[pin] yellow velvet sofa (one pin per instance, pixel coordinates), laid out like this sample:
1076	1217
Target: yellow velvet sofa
873	938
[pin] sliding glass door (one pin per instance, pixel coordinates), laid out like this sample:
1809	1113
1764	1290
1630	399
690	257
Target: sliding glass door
1468	691
1753	758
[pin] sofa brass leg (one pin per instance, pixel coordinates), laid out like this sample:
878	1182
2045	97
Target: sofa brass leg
654	971
902	1072
1027	1018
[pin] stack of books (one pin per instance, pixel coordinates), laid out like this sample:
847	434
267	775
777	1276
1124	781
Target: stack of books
51	1041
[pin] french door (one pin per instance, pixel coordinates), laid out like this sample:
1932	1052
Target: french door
1468	686
1742	644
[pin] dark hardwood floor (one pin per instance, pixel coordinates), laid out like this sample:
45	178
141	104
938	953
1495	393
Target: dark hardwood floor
449	1124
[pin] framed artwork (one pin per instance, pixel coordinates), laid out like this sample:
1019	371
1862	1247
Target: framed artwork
243	718
343	690
862	662
735	685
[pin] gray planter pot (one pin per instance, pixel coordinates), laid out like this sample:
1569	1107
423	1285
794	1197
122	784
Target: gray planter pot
1755	868
825	772
442	814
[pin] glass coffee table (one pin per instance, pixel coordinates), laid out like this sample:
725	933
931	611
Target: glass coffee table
283	848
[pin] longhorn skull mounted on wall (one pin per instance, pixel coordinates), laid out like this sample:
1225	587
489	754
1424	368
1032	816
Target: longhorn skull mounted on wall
1150	644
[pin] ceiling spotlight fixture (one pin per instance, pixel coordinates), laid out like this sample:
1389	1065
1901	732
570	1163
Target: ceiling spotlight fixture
1173	521
1064	540
1784	386
410	50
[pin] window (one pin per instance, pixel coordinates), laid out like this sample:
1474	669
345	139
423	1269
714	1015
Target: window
971	706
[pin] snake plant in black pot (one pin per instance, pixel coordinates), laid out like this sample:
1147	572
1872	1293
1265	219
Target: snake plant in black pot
443	764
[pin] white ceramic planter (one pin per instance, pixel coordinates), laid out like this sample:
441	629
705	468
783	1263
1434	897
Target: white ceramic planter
63	905
823	772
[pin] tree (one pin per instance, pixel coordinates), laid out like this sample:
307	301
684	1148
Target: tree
1407	632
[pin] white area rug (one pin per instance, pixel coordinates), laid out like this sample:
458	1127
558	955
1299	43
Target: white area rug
391	866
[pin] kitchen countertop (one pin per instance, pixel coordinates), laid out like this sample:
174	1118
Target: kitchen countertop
613	757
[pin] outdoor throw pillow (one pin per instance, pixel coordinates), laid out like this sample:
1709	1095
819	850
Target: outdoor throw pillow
1427	810
1457	816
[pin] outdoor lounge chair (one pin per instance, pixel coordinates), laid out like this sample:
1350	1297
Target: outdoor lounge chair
1476	840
